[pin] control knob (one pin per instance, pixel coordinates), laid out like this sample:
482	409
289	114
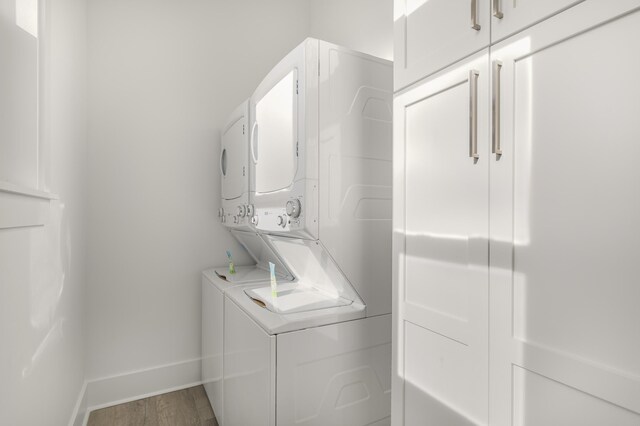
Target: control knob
293	208
241	210
281	221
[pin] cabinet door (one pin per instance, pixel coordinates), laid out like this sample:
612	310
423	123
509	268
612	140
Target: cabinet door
432	34
441	255
565	203
511	16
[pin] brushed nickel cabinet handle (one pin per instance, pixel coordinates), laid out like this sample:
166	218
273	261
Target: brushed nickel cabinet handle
474	15
473	114
495	103
496	9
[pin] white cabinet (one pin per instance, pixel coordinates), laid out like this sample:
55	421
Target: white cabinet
432	34
515	286
511	16
565	203
442	137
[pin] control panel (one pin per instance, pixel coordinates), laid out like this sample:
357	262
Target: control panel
240	216
286	218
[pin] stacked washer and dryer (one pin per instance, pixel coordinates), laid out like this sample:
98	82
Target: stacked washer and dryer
234	172
316	154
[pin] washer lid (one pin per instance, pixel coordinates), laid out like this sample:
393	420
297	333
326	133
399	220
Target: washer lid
313	268
262	252
295	297
276	322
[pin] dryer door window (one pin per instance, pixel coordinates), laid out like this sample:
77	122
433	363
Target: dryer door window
274	148
233	160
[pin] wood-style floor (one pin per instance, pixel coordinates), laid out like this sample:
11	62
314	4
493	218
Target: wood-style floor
187	407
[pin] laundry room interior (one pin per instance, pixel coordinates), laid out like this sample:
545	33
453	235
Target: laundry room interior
319	212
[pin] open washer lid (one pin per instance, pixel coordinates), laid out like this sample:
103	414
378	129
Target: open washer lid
319	283
262	253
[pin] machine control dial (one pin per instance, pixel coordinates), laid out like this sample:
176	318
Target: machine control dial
249	209
293	208
242	210
254	220
281	221
235	219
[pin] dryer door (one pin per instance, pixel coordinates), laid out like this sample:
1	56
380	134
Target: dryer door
234	154
275	135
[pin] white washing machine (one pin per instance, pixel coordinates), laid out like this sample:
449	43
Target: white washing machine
319	353
235	210
321	160
215	282
234	214
309	356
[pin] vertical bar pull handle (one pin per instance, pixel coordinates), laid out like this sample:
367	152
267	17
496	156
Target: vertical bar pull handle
495	103
497	12
473	114
474	15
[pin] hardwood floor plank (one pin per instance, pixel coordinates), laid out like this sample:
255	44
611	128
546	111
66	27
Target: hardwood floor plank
151	415
130	413
205	412
177	409
187	407
103	417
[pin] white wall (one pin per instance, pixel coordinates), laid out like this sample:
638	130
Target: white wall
163	76
364	25
42	242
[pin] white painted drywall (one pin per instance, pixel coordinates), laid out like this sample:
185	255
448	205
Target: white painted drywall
42	267
364	25
163	76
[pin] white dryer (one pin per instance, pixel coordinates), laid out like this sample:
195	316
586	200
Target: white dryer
321	167
308	356
235	210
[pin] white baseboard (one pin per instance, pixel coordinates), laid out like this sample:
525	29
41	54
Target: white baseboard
121	388
78	415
